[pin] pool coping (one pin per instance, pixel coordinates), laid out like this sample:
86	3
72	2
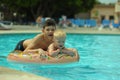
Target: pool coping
67	30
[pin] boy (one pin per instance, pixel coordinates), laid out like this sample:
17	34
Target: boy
41	42
57	47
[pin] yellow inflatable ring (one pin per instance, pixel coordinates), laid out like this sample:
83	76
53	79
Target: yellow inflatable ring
18	56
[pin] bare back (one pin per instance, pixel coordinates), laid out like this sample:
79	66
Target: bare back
38	42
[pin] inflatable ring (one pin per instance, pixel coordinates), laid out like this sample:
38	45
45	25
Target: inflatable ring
18	56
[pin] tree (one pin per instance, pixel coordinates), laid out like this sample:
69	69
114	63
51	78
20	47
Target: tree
52	8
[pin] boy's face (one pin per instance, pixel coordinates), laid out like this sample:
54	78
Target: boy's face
59	42
48	31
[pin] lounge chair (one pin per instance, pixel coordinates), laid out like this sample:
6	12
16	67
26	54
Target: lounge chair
90	23
4	26
115	24
80	22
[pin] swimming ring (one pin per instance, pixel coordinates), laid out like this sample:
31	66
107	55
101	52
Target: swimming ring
18	56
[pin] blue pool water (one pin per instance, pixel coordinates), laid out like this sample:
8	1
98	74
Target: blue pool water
100	58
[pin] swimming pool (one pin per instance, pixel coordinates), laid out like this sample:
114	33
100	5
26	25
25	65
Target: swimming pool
100	58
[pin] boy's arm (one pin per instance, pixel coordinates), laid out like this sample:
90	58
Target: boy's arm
38	51
68	52
52	52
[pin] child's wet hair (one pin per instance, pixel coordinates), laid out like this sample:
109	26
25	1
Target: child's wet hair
49	22
60	33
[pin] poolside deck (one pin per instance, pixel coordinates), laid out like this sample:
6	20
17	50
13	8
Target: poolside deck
82	30
8	74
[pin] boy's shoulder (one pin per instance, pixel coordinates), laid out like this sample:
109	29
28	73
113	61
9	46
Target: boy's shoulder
38	37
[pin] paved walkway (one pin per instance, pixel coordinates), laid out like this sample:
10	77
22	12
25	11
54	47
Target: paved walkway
10	74
82	30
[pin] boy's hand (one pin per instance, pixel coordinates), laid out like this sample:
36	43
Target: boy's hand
41	51
55	53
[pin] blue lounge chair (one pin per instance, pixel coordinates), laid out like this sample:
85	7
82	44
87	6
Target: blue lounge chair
90	23
80	22
106	23
115	25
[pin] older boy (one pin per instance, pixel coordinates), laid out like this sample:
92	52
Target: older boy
41	42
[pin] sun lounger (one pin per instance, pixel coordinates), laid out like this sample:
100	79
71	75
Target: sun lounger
116	24
106	23
80	22
90	23
4	26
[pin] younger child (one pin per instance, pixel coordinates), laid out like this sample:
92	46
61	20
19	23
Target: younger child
57	47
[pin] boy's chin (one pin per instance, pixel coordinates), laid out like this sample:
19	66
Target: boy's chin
50	37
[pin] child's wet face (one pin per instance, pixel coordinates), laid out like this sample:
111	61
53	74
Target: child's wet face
59	42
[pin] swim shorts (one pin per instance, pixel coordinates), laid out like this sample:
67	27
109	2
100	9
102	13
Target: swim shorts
20	46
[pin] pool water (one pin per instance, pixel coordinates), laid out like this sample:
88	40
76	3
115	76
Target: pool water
99	58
